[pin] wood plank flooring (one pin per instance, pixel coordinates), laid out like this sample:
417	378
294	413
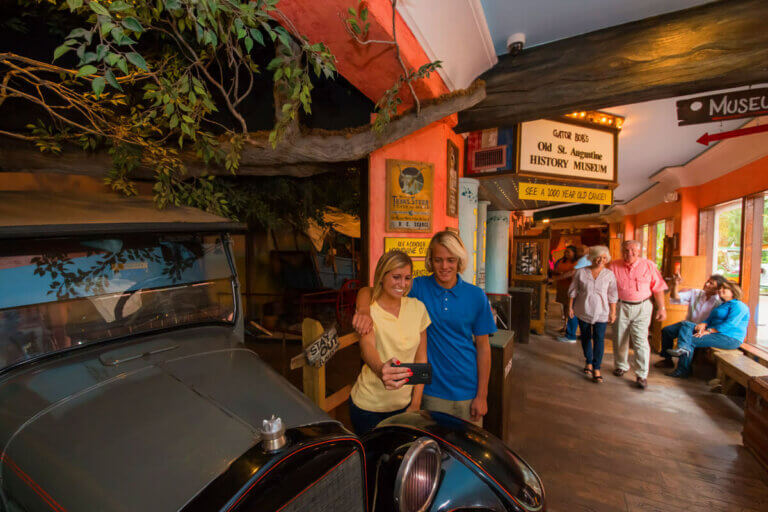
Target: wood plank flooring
613	447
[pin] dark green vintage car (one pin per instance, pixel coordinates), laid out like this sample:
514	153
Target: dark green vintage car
125	385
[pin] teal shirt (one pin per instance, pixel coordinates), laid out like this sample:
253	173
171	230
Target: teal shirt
731	319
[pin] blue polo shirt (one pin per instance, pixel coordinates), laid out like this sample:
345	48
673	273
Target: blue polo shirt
457	315
730	318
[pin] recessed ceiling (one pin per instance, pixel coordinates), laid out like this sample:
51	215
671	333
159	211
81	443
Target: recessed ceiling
543	21
651	140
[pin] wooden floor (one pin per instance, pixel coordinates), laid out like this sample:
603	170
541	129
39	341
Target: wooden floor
613	447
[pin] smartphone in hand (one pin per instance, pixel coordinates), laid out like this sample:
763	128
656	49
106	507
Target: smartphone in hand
422	373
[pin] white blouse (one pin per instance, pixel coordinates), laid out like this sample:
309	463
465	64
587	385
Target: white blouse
592	297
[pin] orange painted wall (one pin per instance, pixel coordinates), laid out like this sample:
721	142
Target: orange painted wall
426	145
750	179
628	223
372	68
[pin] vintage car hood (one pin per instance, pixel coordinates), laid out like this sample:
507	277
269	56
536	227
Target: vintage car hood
83	433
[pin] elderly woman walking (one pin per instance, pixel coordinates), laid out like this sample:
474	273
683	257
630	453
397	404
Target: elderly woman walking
592	299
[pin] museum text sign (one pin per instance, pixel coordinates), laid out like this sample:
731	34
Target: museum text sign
564	194
559	149
719	107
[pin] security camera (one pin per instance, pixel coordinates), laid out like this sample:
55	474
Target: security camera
515	43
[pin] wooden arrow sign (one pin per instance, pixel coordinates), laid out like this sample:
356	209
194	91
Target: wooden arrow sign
707	138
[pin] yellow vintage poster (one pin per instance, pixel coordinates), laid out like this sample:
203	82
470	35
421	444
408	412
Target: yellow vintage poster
413	247
409	196
419	269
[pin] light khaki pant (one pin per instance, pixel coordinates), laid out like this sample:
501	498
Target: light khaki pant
632	322
458	408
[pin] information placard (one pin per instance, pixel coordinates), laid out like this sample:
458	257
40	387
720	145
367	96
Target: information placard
564	194
554	148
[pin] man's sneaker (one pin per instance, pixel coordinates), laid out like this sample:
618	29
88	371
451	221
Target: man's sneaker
664	363
563	339
677	352
641	383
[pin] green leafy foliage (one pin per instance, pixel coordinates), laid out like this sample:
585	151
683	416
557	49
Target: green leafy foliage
153	81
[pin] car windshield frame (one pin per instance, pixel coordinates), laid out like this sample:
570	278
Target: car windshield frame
119	255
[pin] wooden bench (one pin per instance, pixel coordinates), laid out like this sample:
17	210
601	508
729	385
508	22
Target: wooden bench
733	367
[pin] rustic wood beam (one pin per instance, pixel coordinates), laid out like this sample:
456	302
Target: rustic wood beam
299	155
713	46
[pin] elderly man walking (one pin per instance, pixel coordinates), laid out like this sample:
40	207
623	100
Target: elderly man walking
637	280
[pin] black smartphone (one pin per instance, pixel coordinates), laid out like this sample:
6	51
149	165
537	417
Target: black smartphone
422	373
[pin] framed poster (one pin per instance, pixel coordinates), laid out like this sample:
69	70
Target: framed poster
452	181
575	152
409	196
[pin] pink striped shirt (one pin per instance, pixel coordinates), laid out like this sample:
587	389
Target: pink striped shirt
638	281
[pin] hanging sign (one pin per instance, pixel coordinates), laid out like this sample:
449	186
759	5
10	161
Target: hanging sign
452	182
413	247
409	196
719	107
564	194
570	151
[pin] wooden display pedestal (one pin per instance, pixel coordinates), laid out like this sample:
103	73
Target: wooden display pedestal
500	384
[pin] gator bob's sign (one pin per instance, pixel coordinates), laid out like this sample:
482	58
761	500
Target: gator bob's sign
569	151
564	194
409	196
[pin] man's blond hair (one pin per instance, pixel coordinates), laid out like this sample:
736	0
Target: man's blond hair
455	246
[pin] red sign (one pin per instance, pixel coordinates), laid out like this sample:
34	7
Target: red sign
707	138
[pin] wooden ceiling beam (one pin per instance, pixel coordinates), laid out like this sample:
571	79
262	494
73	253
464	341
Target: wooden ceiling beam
713	46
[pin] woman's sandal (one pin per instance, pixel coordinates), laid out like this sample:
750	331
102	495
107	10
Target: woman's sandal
597	379
587	371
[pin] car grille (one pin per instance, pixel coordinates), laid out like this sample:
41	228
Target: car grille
338	490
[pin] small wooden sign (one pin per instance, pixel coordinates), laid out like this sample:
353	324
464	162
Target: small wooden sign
413	247
719	107
409	196
564	194
452	181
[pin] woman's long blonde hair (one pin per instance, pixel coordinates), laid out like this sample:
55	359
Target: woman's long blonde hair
389	261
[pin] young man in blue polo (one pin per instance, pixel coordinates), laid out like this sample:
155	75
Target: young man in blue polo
458	346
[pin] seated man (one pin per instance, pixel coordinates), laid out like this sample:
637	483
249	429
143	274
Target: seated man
700	303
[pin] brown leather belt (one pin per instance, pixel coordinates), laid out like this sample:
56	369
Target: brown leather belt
634	303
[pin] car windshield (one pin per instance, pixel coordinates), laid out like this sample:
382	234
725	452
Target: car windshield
60	293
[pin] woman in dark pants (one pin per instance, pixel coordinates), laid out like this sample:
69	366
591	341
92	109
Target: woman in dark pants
563	275
592	299
726	328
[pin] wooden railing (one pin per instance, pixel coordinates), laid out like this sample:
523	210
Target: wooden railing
314	378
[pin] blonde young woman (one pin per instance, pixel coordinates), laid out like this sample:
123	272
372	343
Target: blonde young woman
399	334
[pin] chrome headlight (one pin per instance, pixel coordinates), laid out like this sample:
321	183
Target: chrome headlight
418	477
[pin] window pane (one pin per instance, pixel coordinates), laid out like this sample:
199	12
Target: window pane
762	308
660	232
646	236
727	241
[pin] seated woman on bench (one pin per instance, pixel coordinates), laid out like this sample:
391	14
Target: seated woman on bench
726	328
